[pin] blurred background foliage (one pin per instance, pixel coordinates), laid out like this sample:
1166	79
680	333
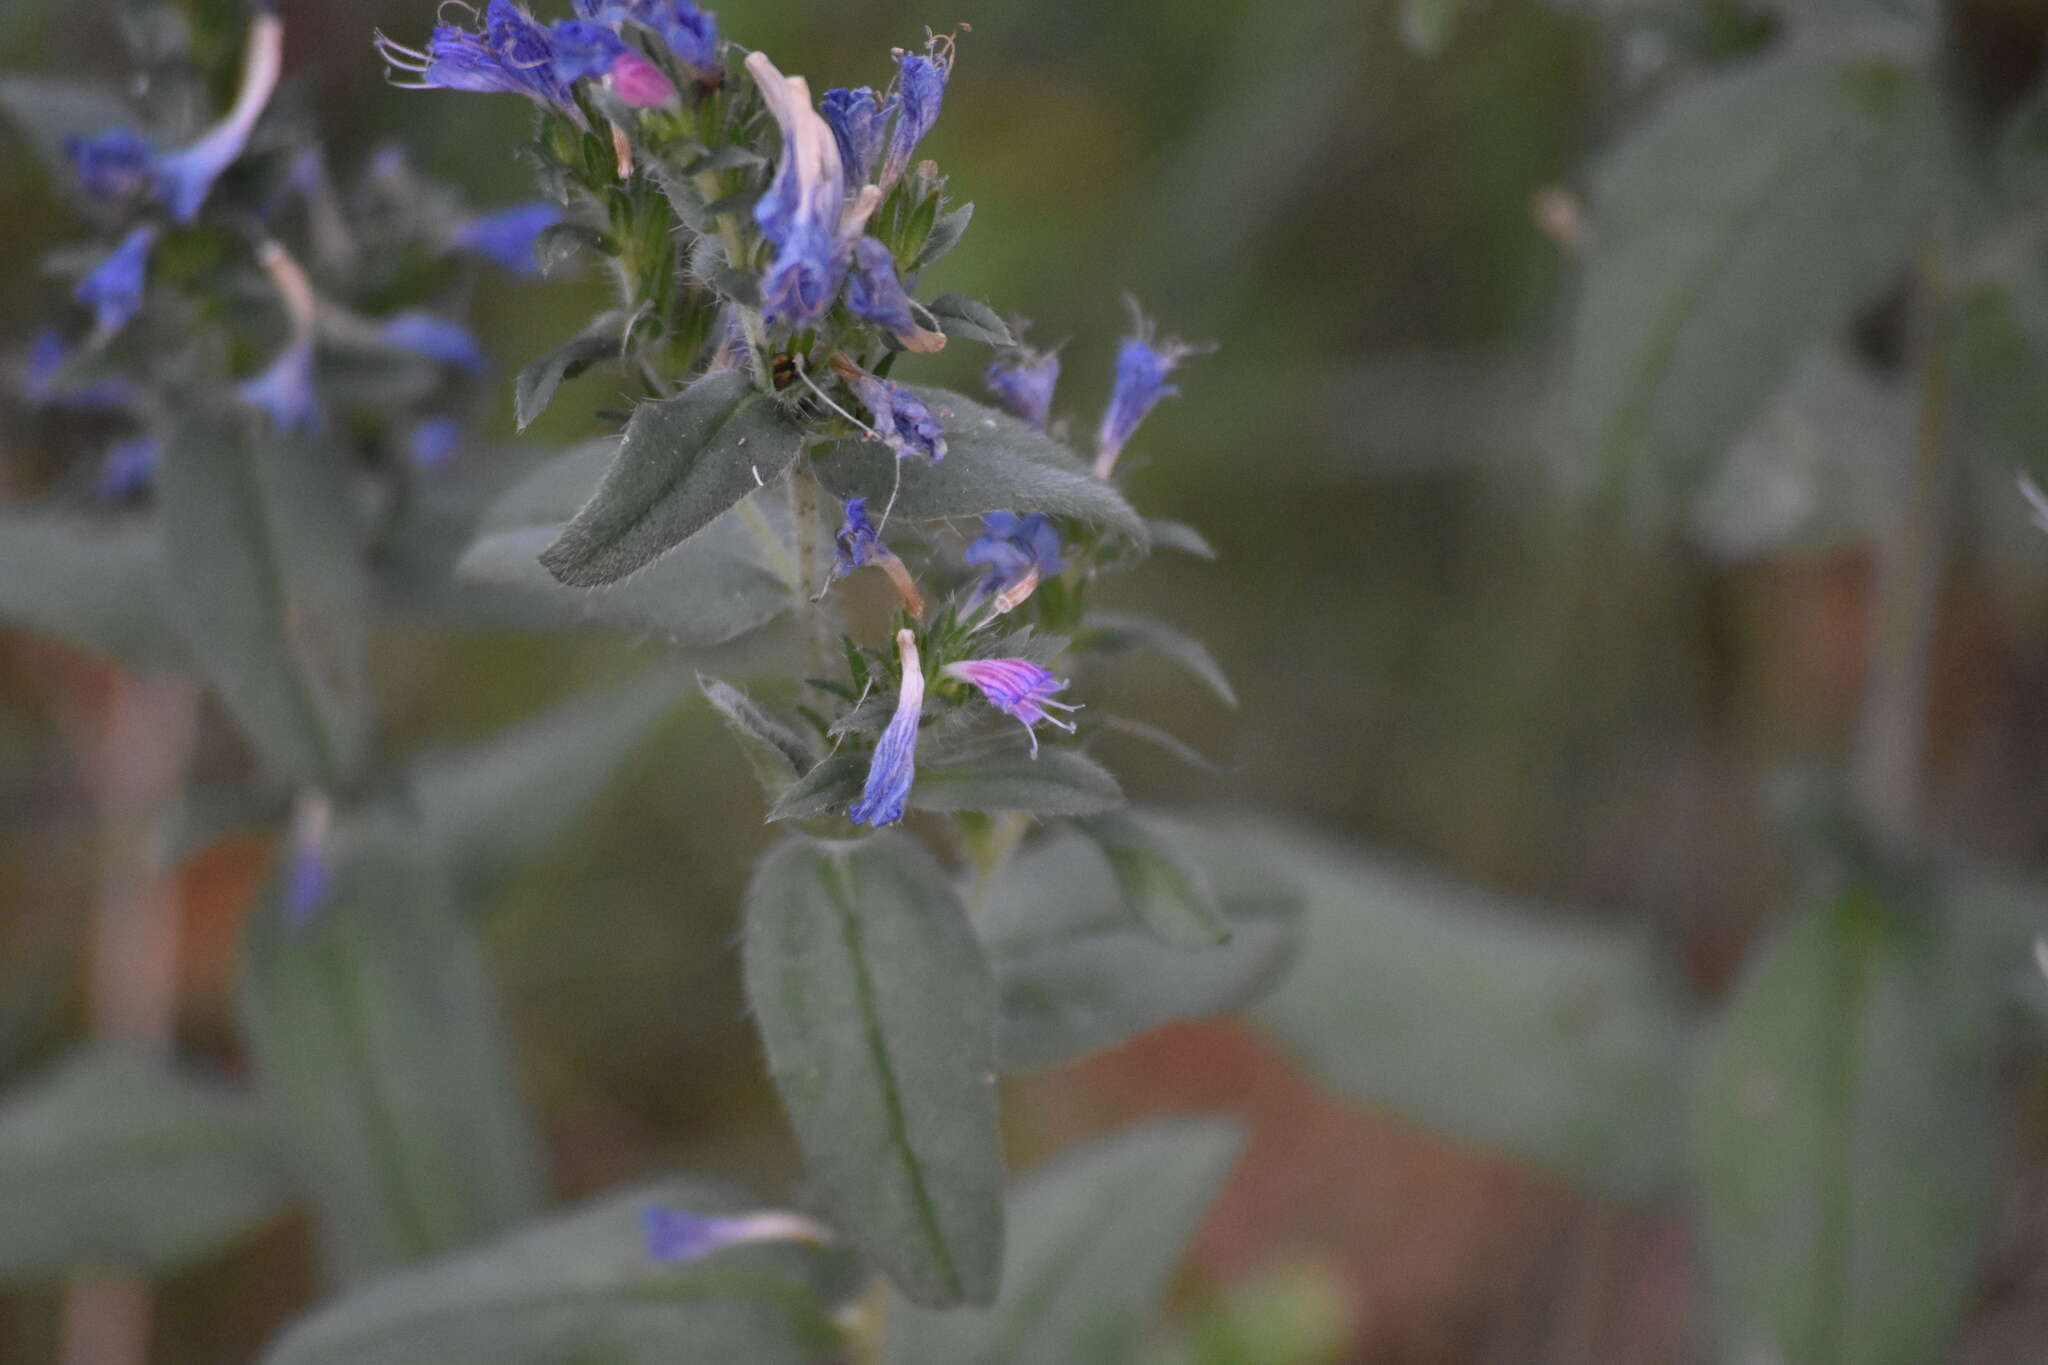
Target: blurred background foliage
1437	652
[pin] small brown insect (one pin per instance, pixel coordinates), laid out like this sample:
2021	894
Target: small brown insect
782	370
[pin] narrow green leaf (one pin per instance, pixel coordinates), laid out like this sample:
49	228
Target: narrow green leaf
488	809
777	754
682	462
1115	630
535	386
1845	1140
959	316
993	462
1094	1237
49	110
264	562
1076	974
374	1027
1748	220
1178	535
117	1160
878	1013
1488	1017
96	585
557	246
580	1287
729	578
946	234
1167	892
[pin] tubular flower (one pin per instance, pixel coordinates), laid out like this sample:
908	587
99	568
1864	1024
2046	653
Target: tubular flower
873	292
118	164
1141	370
434	337
1016	687
584	50
858	545
1024	380
860	122
185	177
1019	553
513	55
641	83
902	420
673	1235
40	380
508	236
284	392
115	288
800	214
127	470
894	765
920	89
691	34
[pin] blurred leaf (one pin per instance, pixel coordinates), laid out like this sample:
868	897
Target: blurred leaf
682	462
1178	535
265	565
775	753
1057	782
487	810
878	1014
1115	630
97	585
1426	24
579	1287
959	316
1076	974
722	582
1297	1313
1845	1140
1094	1237
374	1026
993	463
49	110
832	785
117	1160
1484	1016
1164	890
1749	219
2001	362
535	386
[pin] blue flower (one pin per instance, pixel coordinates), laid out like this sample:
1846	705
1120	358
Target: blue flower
874	292
894	764
860	120
309	873
1016	687
118	164
800	213
1141	370
434	337
434	442
584	50
920	89
127	469
513	55
856	540
1019	552
691	33
673	1235
47	358
509	235
115	287
902	421
284	392
185	177
1024	380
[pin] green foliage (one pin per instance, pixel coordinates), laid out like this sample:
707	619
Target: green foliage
116	1160
535	386
776	753
100	585
581	1286
878	1013
1168	893
970	320
1115	632
49	110
1845	1139
682	462
1093	1238
375	1028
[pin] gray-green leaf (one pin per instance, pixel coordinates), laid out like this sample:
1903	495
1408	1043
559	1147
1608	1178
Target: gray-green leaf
1166	891
100	586
777	754
878	1013
960	316
1094	1237
535	386
121	1161
1845	1140
683	461
1115	630
993	463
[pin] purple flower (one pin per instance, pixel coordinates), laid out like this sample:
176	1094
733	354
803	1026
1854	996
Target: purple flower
641	83
584	50
873	292
284	392
674	1235
115	287
127	469
902	421
920	89
118	164
800	213
513	55
860	121
434	442
1141	371
691	33
185	177
508	236
894	763
434	337
1024	380
1016	687
47	358
1019	552
856	540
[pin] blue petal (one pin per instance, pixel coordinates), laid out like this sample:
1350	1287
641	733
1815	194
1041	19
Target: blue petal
114	290
435	337
508	236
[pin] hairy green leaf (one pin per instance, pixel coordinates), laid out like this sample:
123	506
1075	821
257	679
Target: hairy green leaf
946	234
776	753
959	316
535	386
878	1013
